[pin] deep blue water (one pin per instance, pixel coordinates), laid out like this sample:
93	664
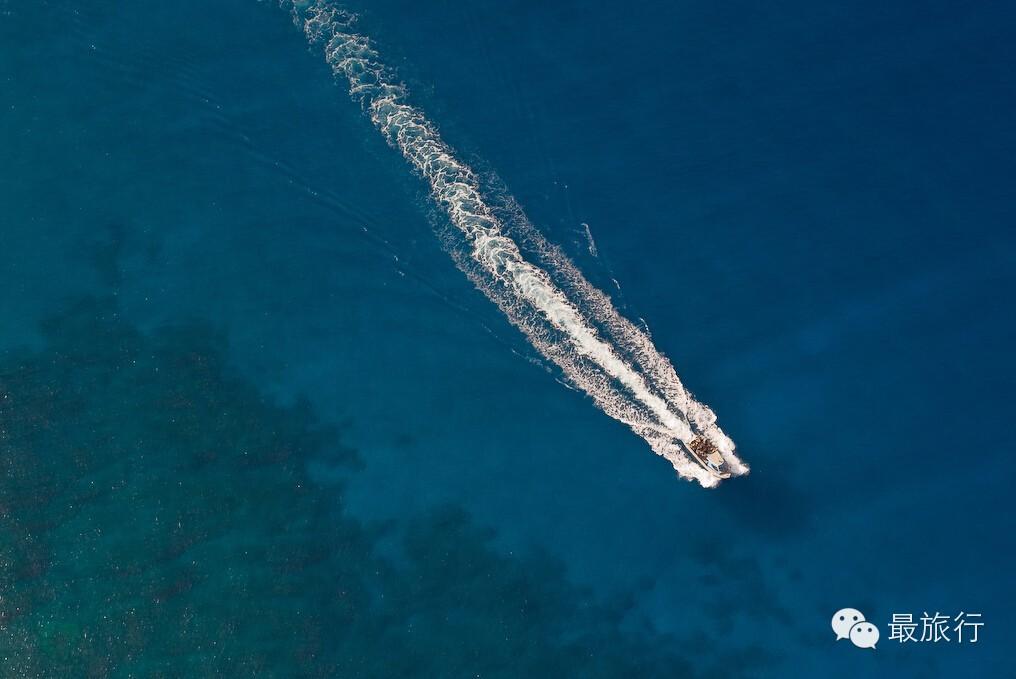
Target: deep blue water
811	205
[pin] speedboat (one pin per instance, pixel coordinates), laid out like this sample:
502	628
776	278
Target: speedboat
705	452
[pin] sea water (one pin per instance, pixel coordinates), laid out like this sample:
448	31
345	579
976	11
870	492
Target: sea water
808	210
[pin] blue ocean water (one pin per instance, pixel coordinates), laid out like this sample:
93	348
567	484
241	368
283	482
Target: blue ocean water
811	206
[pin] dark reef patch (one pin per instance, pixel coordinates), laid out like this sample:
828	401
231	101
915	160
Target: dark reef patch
158	520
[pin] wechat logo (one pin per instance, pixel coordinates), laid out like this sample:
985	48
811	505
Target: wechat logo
849	623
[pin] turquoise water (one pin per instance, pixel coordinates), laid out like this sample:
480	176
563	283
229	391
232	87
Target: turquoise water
227	310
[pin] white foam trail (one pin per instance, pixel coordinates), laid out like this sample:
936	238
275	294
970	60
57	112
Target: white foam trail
567	319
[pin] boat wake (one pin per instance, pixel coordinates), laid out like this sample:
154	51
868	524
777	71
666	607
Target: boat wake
532	281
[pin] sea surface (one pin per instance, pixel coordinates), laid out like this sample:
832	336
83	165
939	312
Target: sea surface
255	422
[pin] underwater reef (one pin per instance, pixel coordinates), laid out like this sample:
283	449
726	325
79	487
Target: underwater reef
158	519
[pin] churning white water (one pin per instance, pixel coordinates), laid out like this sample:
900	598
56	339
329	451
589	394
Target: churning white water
540	290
